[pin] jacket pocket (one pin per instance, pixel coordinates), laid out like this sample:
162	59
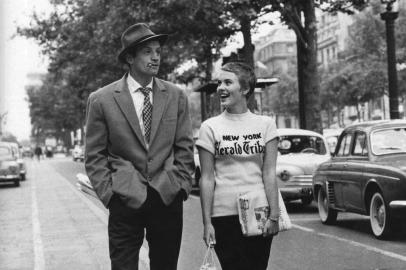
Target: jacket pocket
121	182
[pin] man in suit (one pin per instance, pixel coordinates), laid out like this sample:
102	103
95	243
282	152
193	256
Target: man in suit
139	155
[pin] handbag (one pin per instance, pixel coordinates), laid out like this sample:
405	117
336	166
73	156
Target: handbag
208	261
254	210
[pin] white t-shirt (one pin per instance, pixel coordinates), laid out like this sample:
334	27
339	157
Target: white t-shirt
237	142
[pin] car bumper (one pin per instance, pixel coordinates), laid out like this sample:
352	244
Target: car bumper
293	193
398	208
299	186
9	177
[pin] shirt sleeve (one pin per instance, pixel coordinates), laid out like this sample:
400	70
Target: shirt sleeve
206	138
271	132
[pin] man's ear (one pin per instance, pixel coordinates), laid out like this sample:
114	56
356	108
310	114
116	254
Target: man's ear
129	58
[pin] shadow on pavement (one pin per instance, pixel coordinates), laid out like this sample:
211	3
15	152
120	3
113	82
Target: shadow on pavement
297	207
8	185
362	225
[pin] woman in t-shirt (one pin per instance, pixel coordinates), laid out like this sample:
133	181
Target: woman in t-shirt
237	151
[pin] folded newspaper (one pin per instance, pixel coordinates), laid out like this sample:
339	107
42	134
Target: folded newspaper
253	212
84	185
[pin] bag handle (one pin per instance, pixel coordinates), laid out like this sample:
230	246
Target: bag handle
208	258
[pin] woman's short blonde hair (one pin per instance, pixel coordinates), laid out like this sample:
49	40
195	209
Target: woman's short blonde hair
245	74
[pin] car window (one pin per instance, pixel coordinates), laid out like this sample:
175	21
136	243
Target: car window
290	144
388	141
4	151
360	145
332	143
345	144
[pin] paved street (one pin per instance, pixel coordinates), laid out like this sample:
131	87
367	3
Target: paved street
46	223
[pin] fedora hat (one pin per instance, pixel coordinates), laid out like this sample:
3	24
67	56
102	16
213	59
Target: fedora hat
135	35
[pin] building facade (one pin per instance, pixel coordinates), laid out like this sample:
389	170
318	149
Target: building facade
276	54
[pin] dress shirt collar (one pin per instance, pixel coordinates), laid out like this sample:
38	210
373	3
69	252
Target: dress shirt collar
133	85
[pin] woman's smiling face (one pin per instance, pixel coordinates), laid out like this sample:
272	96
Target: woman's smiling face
229	90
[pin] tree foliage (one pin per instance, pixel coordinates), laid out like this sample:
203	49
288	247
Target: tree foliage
361	76
300	16
82	40
284	100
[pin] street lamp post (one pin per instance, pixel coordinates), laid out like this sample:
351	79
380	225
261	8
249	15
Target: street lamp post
389	16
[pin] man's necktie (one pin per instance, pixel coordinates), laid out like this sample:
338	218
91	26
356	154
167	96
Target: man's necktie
146	112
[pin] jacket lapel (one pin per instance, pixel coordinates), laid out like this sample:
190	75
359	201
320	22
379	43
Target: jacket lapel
160	99
125	102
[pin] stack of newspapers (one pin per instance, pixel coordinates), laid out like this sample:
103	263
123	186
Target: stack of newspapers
83	184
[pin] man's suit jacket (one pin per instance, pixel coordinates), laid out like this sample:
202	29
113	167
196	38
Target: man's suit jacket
117	159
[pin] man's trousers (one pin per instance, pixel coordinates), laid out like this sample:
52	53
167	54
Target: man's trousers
162	225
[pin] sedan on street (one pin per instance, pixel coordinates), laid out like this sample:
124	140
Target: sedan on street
366	175
299	154
9	168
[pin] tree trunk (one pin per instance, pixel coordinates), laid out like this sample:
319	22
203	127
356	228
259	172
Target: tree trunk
301	52
309	106
204	97
248	52
328	117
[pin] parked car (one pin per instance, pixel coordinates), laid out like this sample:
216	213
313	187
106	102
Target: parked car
9	168
332	136
27	152
19	158
366	175
300	152
78	153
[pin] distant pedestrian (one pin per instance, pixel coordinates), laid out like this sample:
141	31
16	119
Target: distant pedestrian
38	152
139	155
237	151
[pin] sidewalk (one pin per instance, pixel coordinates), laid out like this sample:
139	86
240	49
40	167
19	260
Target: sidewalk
52	225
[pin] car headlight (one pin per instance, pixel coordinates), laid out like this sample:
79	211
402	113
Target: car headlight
284	175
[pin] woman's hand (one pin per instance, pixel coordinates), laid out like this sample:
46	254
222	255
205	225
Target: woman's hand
208	235
271	228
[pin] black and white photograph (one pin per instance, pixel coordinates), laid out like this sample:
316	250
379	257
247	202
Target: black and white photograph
203	134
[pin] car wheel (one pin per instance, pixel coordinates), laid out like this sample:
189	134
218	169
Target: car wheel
306	200
22	177
379	216
327	215
17	182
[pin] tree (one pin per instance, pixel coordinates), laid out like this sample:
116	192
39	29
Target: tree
362	75
82	39
284	99
300	16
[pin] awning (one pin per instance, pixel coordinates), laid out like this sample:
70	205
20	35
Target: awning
211	87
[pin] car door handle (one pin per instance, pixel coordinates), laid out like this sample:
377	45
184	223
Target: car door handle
345	165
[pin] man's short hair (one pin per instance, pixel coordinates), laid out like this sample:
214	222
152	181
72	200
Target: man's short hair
132	51
245	74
